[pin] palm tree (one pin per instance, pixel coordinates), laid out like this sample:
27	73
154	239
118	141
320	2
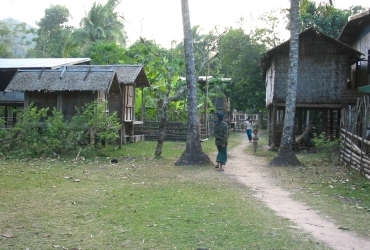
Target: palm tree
193	153
285	155
101	23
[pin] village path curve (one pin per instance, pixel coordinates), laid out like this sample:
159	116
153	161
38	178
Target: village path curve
251	171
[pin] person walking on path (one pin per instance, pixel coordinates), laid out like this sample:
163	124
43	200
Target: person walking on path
249	125
255	139
221	140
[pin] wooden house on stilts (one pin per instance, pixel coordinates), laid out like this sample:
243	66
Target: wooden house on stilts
323	86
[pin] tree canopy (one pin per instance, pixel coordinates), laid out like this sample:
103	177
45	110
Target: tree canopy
51	31
325	18
11	38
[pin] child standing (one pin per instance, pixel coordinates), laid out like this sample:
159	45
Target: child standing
255	139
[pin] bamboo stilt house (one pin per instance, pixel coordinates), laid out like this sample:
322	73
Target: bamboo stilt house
322	90
74	86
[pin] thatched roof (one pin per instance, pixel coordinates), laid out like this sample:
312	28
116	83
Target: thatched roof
77	78
57	80
126	74
354	27
266	57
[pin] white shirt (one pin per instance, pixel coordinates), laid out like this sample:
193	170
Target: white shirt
249	124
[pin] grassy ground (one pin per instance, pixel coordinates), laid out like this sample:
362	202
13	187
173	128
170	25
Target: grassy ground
139	203
340	192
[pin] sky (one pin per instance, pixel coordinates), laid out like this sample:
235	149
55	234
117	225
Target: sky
159	20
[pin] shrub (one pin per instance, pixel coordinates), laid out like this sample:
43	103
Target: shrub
33	138
327	148
27	132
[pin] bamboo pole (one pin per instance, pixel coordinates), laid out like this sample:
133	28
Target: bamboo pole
367	142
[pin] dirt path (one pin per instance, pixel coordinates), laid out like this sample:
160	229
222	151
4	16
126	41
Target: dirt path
253	175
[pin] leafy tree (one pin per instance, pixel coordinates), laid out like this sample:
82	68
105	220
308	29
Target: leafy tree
163	68
285	155
240	55
51	33
325	18
105	53
270	35
193	153
10	33
102	22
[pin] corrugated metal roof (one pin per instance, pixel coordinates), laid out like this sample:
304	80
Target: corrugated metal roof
57	80
12	97
39	63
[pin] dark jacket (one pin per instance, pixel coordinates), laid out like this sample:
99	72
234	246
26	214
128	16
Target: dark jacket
221	133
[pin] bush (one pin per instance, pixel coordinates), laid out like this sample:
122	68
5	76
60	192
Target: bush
329	149
33	138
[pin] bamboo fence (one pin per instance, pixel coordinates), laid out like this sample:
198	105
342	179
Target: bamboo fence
355	129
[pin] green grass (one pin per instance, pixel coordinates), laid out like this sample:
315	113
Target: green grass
139	203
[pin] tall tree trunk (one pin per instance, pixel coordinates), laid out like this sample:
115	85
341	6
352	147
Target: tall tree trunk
285	155
193	153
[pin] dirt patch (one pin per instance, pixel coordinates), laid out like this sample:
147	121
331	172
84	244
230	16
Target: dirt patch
251	170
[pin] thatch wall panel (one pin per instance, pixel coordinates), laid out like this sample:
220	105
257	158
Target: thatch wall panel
321	79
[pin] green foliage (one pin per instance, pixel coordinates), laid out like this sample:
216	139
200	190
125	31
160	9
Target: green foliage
101	23
60	136
240	56
326	19
269	33
98	121
27	132
327	148
106	53
4	133
36	134
51	34
10	36
163	69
